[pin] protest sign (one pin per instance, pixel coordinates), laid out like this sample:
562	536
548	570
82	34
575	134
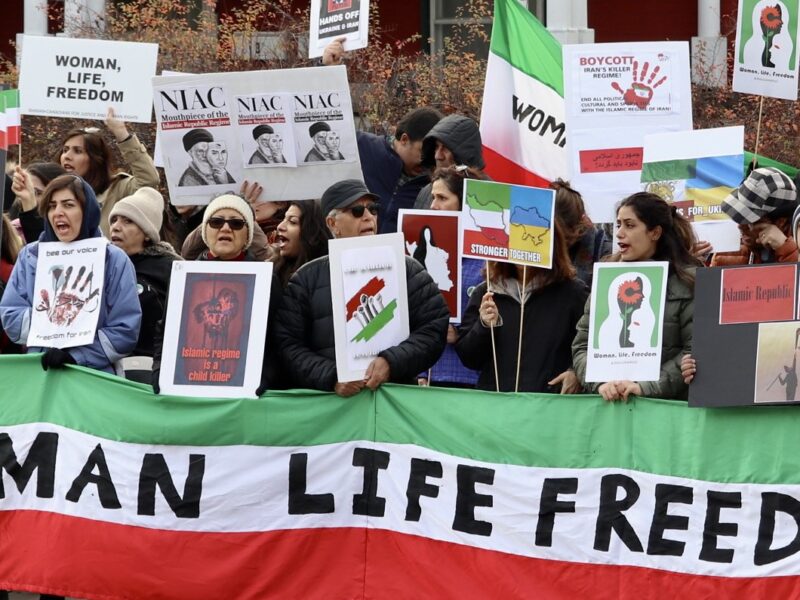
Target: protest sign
210	126
68	293
508	223
370	300
749	311
331	19
615	94
79	79
215	329
434	239
158	156
626	321
696	170
765	57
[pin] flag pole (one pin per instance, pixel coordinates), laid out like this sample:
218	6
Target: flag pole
758	132
521	320
491	331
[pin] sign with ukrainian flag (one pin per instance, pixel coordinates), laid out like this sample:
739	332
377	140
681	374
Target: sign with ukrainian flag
508	223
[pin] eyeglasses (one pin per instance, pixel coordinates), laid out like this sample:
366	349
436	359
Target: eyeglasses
219	223
358	210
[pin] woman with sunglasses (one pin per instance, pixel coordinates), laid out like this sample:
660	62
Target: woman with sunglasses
301	237
28	185
71	213
86	153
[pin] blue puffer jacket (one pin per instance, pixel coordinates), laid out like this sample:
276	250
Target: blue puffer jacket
120	313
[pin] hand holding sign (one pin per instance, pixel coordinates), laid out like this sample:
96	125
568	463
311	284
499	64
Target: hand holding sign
333	54
115	126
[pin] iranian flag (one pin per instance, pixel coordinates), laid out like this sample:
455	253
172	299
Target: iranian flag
109	492
522	120
11	98
3	124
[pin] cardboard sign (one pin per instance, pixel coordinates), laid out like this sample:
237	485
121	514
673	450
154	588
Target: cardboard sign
80	79
215	328
626	321
758	294
434	239
331	19
68	293
370	300
508	223
765	58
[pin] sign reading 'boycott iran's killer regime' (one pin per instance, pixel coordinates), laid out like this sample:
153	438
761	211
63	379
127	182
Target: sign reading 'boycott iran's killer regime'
508	223
331	19
80	79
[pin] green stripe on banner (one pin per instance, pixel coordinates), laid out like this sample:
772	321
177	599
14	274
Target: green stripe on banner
763	161
520	39
665	170
663	437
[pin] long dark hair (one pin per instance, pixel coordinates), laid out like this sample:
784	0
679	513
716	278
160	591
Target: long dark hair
314	236
571	209
101	160
454	176
677	237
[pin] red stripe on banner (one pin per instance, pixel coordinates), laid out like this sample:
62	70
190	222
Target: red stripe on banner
610	160
57	554
372	287
501	169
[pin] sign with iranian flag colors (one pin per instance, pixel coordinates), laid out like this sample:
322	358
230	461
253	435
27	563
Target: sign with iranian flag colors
11	102
382	495
508	223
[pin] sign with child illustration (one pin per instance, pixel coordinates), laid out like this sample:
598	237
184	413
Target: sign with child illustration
626	321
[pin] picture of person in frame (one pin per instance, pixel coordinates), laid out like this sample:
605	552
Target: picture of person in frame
270	146
199	171
319	133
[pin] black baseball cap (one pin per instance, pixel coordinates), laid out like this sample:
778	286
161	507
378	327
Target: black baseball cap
343	193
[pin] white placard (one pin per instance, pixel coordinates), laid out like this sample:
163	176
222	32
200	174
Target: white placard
369	298
80	79
215	328
68	293
331	19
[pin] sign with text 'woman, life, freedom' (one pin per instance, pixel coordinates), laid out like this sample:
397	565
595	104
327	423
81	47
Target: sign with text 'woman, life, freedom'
79	79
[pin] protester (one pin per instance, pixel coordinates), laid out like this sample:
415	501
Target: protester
587	244
553	301
648	228
71	213
455	140
301	237
135	223
305	327
762	206
10	245
28	185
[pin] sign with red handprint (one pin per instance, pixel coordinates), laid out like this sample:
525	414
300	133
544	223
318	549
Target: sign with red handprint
67	293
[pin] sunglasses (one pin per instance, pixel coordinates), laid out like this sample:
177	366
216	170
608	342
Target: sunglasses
358	210
219	223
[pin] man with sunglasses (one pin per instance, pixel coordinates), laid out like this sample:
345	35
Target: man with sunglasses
304	328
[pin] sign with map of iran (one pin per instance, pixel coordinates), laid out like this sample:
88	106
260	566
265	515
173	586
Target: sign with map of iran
508	223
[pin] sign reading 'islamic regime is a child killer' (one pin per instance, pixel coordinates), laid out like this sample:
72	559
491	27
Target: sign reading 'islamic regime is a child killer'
80	79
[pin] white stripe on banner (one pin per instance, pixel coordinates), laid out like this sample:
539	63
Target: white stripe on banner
599	516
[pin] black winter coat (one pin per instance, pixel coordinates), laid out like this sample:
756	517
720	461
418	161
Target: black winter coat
551	314
304	329
153	269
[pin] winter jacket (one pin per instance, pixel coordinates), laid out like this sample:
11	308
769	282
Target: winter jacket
462	137
551	313
383	174
120	314
305	332
676	341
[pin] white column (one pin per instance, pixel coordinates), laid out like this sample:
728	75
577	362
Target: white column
709	48
35	17
708	18
83	15
568	21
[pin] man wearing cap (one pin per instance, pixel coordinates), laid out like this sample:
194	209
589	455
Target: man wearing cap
270	146
199	172
762	206
318	132
304	329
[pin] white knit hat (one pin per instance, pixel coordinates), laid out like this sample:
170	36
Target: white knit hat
145	207
234	202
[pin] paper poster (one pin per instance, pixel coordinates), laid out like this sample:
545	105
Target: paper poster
758	294
215	129
626	321
79	79
765	58
215	328
158	157
616	94
331	19
508	223
68	293
434	239
264	128
776	362
370	300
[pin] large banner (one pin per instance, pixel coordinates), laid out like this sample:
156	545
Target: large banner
188	498
290	130
80	79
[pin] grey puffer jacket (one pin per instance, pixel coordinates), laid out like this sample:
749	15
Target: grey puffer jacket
304	328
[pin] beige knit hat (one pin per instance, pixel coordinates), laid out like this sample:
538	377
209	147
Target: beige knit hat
145	207
234	202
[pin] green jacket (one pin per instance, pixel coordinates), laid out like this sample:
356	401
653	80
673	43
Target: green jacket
676	341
